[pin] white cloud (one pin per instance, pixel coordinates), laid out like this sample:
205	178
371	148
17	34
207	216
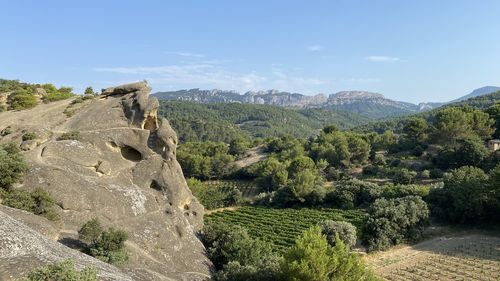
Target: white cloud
215	76
315	48
187	54
383	59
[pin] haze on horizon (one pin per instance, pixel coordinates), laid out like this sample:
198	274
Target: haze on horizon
413	51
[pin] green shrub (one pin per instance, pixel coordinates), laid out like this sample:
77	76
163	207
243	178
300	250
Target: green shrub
5	132
12	165
394	221
339	229
436	173
62	271
227	244
213	196
105	245
90	231
29	136
78	99
38	201
311	258
89	91
72	135
404	176
21	99
58	95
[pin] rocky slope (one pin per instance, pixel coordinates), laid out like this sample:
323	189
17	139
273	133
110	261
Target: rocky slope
121	170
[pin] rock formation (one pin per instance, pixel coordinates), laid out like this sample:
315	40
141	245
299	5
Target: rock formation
122	169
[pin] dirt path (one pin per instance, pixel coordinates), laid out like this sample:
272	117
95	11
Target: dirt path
253	155
234	208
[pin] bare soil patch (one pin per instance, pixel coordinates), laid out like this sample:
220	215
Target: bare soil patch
468	257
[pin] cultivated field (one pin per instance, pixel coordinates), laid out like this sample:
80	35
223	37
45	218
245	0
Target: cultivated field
281	227
472	257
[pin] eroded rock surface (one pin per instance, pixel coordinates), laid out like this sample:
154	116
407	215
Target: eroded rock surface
122	169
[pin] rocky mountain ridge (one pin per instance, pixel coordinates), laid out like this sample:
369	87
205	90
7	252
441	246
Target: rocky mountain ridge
366	103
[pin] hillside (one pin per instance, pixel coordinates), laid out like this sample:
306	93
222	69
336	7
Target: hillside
479	92
224	122
396	124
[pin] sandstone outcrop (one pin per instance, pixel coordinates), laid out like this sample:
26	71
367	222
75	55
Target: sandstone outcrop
121	169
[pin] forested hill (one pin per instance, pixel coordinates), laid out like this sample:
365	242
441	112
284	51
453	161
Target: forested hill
489	103
225	122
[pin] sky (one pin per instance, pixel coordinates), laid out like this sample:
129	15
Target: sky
414	51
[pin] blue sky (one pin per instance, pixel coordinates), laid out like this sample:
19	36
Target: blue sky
407	50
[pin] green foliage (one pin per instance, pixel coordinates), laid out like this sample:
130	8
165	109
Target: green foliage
12	165
225	122
354	193
468	196
462	123
54	94
312	259
393	221
62	271
12	85
304	187
339	229
72	135
232	243
404	176
463	153
238	147
271	174
38	201
280	227
416	129
89	91
402	190
90	231
494	112
217	194
21	99
105	245
206	160
29	136
333	147
5	132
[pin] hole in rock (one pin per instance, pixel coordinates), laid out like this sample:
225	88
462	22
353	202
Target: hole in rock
150	123
154	185
131	154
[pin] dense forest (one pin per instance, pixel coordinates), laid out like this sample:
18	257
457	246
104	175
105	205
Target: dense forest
225	122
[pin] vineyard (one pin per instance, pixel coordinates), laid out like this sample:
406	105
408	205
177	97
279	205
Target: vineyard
247	188
280	227
474	257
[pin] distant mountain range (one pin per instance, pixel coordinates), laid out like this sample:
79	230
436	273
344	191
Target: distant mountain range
368	104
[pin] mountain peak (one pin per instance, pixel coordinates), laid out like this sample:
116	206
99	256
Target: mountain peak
356	95
479	92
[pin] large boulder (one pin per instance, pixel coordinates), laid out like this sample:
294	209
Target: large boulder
122	169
